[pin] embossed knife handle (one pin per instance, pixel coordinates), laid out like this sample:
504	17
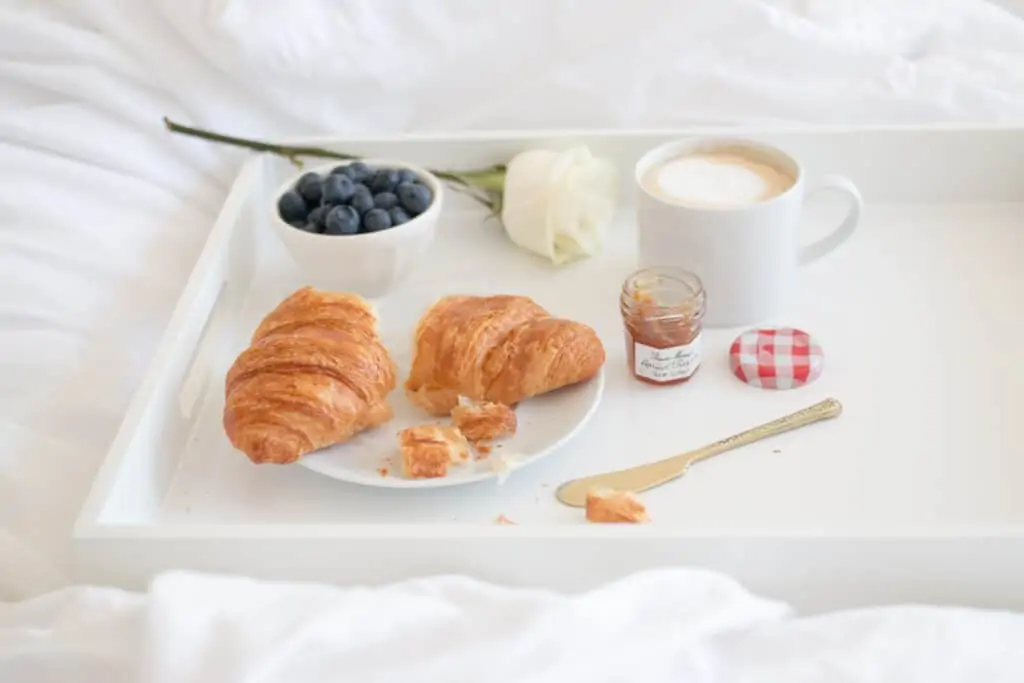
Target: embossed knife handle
654	474
824	410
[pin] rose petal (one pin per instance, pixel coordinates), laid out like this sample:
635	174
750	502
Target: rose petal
559	204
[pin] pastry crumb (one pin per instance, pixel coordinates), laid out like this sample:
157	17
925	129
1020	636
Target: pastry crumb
502	519
483	421
608	506
382	471
483	450
428	450
502	465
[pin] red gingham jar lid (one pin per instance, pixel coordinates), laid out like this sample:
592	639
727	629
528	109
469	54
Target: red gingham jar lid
776	358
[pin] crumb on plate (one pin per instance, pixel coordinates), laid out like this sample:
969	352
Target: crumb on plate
502	519
428	450
483	421
502	465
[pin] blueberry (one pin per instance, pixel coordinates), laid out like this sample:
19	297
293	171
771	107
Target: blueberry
342	170
362	200
310	187
398	216
376	220
317	217
384	180
291	207
358	171
338	189
341	220
407	176
414	198
385	200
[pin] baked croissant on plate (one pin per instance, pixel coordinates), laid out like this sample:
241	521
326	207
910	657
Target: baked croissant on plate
496	348
314	375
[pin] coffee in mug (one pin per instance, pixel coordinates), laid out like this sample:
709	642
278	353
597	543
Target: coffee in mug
724	178
729	211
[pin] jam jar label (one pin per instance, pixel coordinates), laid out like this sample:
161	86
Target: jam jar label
666	365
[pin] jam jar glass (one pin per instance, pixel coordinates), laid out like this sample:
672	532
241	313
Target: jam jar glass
662	311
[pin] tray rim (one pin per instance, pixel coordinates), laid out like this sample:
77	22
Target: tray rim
87	526
471	531
514	134
102	483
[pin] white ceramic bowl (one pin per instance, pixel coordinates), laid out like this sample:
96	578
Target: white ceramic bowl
369	264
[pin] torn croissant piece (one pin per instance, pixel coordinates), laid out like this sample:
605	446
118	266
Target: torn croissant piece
501	349
605	505
429	450
483	421
314	375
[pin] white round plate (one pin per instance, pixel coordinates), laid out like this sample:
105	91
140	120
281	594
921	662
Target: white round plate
545	423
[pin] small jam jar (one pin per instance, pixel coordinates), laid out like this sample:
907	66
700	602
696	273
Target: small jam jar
662	309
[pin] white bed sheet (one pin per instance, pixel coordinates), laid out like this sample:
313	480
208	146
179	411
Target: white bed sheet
657	627
102	213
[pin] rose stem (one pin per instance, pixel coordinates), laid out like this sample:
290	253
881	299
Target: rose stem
293	152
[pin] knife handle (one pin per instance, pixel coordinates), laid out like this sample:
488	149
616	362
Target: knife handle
824	410
653	474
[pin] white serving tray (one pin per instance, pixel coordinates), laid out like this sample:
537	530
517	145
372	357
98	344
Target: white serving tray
915	494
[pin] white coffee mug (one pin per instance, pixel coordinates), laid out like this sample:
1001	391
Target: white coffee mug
747	256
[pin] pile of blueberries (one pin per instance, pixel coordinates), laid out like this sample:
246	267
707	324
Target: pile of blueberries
354	199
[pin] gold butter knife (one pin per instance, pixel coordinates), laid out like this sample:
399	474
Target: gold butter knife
653	474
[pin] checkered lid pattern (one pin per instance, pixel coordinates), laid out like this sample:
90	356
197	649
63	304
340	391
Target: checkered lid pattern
780	358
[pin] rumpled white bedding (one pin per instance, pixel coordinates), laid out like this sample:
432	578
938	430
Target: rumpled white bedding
669	626
102	214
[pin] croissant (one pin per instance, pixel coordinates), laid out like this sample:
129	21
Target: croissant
429	450
502	349
315	374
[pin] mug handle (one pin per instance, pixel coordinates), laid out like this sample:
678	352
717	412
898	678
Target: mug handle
815	250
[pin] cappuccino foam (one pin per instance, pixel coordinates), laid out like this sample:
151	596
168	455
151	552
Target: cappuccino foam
717	180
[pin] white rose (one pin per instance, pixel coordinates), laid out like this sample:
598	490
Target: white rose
559	204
